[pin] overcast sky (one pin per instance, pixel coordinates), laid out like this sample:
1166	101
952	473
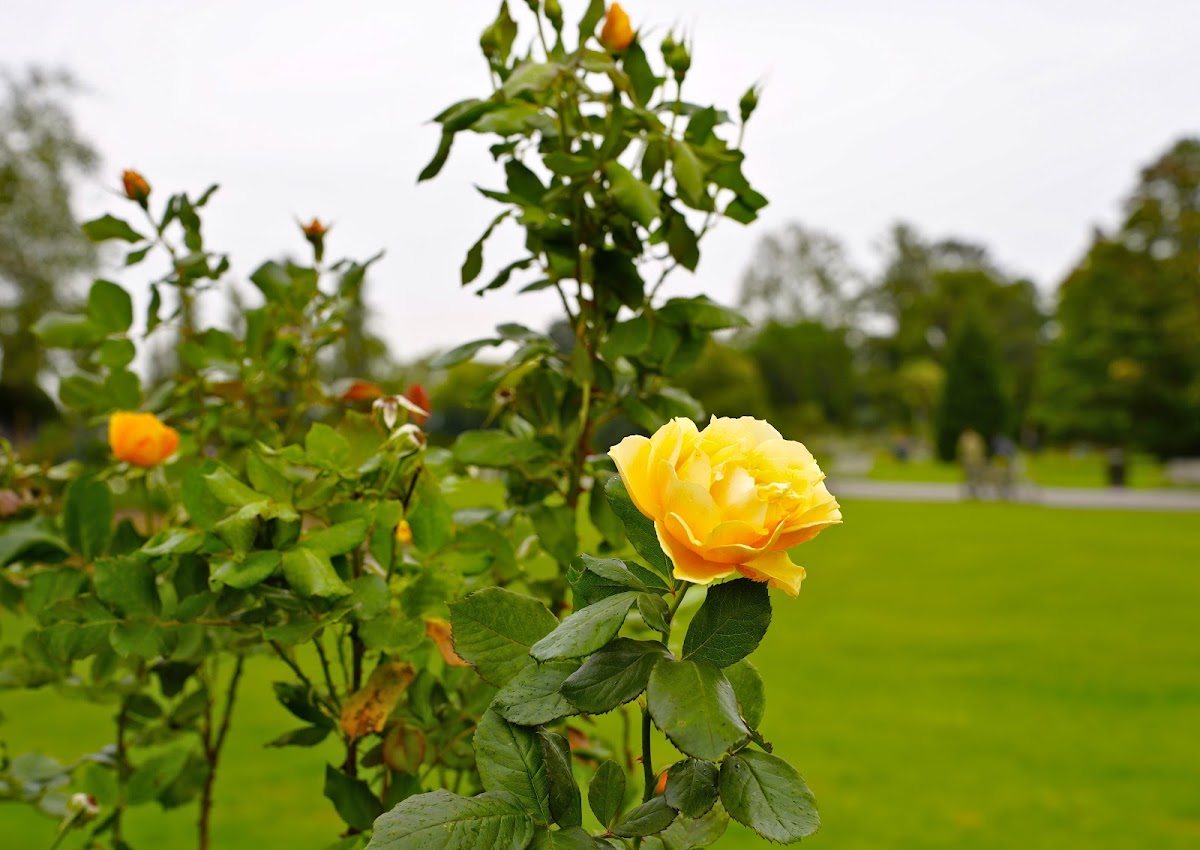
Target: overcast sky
1019	123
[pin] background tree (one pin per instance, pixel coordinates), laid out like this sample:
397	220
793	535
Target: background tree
42	249
727	382
809	371
973	395
1125	368
800	274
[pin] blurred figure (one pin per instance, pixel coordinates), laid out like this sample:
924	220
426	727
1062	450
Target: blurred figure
1004	462
1115	460
972	455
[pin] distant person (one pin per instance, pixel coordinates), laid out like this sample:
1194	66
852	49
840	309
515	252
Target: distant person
1115	459
1004	462
972	454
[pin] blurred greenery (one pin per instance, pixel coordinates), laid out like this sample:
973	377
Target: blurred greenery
1033	688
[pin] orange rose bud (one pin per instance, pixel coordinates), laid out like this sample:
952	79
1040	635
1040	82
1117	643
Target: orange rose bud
417	395
363	391
136	187
141	438
617	34
661	785
315	232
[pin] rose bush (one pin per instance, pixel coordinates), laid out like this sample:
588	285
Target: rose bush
731	498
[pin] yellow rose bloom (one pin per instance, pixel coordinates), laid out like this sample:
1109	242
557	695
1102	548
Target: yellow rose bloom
732	498
617	32
141	438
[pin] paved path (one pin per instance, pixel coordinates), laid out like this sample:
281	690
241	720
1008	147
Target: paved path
1054	497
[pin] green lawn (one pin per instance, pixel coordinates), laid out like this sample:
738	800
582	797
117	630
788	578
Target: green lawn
1048	469
951	676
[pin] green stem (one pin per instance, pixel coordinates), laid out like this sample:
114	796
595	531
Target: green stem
647	764
677	602
212	750
326	671
122	758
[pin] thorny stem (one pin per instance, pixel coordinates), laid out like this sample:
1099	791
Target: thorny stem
212	749
328	675
299	671
122	774
647	765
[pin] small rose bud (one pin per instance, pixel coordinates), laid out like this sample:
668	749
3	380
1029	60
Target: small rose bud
136	187
617	33
677	58
404	532
362	391
315	232
417	395
661	785
554	14
388	410
748	103
84	804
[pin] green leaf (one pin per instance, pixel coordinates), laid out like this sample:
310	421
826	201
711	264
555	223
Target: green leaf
509	758
203	506
143	640
326	446
154	775
627	338
695	707
439	158
569	165
613	675
116	353
606	794
730	624
462	353
700	126
247	572
633	197
689	175
124	389
686	833
474	261
648	818
265	478
494	629
530	77
429	515
768	795
701	313
496	448
638	527
523	183
305	736
30	538
749	689
337	539
239	530
642	80
555	527
591	17
593	579
566	806
682	243
108	227
229	491
440	820
110	307
616	273
301	702
311	574
88	516
586	630
654	611
127	584
532	697
57	330
353	798
692	787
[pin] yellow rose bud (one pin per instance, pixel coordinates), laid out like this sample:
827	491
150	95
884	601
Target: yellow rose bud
404	532
141	438
732	498
617	34
136	187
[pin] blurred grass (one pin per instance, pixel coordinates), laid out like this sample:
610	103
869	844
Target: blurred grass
952	676
1048	469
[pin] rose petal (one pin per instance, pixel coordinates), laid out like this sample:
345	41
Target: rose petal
688	565
632	457
777	570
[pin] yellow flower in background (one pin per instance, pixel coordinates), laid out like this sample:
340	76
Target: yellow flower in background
403	532
732	498
617	33
141	438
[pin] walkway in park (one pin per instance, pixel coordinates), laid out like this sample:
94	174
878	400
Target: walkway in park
1053	497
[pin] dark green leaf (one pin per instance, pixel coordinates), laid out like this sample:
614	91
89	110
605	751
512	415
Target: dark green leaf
555	527
31	537
337	539
440	820
530	77
302	703
591	17
305	736
439	158
110	307
494	628
627	338
700	313
647	819
692	787
496	448
731	622
586	630
686	833
613	675
606	794
633	197
247	572
310	573
139	639
474	261
638	527
88	516
124	390
566	806
569	165
509	758
532	697
108	227
682	243
768	795
352	797
616	273
689	176
642	80
116	353
462	353
694	705
127	584
749	689
653	609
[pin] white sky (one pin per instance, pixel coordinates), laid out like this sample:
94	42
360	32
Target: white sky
1019	123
